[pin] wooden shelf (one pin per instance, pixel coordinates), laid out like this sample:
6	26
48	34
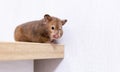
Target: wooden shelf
29	51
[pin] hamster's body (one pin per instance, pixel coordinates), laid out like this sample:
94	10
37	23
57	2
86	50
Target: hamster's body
42	31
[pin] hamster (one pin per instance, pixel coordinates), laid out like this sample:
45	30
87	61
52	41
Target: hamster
46	30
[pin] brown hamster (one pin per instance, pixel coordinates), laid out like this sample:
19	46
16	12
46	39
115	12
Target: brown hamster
45	30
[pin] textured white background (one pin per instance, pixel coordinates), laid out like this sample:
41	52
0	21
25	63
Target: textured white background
91	35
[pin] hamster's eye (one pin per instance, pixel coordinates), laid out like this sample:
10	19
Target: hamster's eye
53	28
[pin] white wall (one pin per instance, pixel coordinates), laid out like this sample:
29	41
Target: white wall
91	36
16	66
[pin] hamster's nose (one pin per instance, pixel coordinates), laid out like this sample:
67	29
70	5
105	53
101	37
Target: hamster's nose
56	36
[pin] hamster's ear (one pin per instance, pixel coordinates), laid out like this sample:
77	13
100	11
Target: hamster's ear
47	17
64	21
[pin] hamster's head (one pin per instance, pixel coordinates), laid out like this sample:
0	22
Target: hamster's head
54	26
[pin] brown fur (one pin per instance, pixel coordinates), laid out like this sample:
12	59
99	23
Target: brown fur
38	31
